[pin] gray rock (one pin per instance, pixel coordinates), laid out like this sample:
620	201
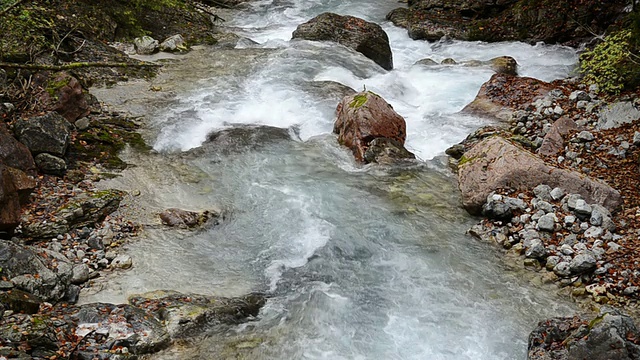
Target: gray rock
547	222
50	164
543	192
122	262
579	95
636	138
581	208
558	111
145	45
566	249
173	43
569	220
80	274
582	104
542	205
49	133
82	124
630	290
617	114
593	232
583	263
570	240
609	337
585	136
515	203
536	250
426	62
572	199
95	243
557	193
562	269
552	261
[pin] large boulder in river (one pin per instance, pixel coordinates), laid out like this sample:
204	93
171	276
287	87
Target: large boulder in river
495	163
362	36
49	133
364	117
611	335
188	219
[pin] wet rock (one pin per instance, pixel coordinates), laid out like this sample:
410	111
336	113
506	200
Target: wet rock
562	269
122	262
187	219
426	62
504	65
121	325
20	301
611	335
49	133
173	43
145	45
187	315
495	164
243	138
386	151
364	117
49	164
399	17
330	90
536	250
14	153
41	272
362	36
582	263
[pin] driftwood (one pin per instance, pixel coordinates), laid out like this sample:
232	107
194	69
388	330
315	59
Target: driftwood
75	65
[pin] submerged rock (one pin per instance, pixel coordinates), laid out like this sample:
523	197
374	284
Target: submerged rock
362	36
362	118
187	219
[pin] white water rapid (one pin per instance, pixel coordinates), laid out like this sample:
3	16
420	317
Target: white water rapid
359	262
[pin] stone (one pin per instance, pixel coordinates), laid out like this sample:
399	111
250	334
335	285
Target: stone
583	263
557	194
82	124
593	232
14	153
187	219
562	269
50	164
572	199
582	208
455	151
173	43
547	222
122	262
363	117
9	201
362	36
20	301
542	192
536	250
494	163
569	220
636	138
49	133
21	264
610	336
551	262
579	95
80	274
386	151
145	45
426	62
554	140
497	209
617	114
585	136
504	65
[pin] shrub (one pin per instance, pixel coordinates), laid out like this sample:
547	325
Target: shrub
613	65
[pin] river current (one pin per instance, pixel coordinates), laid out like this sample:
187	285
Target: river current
359	262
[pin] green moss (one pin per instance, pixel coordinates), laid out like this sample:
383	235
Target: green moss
358	101
464	160
53	85
595	322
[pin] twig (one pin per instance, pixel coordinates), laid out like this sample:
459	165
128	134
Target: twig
75	348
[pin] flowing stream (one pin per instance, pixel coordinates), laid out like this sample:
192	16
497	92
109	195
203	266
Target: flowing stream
359	262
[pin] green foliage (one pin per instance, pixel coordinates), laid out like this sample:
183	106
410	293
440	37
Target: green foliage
612	64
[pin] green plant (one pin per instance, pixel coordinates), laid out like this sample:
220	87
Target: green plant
613	65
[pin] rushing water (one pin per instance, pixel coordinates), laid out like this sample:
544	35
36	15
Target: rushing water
359	262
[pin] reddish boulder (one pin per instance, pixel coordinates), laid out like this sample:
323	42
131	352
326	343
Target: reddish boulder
497	98
364	117
9	201
14	153
553	142
495	163
64	95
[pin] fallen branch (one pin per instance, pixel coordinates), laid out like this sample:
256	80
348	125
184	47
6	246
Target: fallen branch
75	65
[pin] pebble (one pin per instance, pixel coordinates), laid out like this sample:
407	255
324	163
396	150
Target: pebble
585	136
636	138
582	263
547	222
122	262
582	208
557	194
593	232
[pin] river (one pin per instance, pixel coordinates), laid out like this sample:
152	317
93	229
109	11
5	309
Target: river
358	262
